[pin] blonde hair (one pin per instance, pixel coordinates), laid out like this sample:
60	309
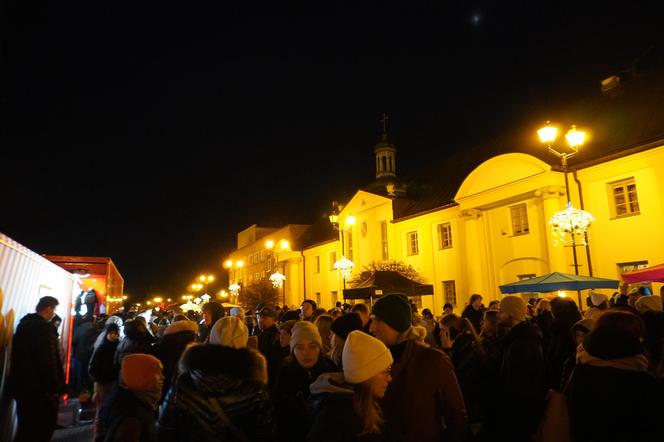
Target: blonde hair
367	409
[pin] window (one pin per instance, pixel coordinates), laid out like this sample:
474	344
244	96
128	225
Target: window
526	276
519	219
625	199
335	297
349	245
385	252
444	236
449	292
316	264
318	298
411	242
333	259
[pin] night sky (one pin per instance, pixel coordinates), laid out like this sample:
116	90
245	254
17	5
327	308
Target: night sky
152	132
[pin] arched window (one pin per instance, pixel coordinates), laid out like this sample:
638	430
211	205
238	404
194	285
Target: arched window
377	164
391	166
384	164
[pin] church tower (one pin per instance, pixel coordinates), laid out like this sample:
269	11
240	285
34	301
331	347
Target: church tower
386	153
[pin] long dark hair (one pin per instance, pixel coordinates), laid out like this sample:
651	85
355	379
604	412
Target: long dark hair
367	409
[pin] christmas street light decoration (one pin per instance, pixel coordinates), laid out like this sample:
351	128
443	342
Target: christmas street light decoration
277	279
570	226
345	267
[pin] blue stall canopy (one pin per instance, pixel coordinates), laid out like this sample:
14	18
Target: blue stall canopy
558	281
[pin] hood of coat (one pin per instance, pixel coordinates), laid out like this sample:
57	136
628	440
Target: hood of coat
181	326
330	383
136	329
414	332
216	370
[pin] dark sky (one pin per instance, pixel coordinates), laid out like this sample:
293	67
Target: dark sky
152	132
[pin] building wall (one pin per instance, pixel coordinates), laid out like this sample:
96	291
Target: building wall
320	285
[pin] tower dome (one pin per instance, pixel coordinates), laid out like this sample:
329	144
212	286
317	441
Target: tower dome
386	153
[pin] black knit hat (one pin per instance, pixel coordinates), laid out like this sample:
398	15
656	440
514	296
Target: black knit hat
345	324
394	310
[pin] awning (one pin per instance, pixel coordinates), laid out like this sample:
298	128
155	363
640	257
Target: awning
558	281
650	274
384	282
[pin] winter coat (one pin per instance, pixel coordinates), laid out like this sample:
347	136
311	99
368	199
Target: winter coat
474	316
469	361
520	391
331	404
268	345
423	394
290	394
137	340
175	340
561	346
127	418
217	378
36	368
101	367
614	400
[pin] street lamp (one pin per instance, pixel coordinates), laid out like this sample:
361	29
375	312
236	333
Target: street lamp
277	278
570	222
344	265
206	279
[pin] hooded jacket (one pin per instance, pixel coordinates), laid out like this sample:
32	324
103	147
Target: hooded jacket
36	368
137	340
101	367
331	402
218	381
173	343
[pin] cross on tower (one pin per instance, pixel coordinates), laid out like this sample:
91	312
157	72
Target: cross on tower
383	120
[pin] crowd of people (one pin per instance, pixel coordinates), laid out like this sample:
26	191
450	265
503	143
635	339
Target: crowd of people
512	370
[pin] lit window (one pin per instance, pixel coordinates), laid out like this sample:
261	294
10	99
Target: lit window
333	259
335	297
316	264
413	246
385	253
444	236
519	219
625	199
449	292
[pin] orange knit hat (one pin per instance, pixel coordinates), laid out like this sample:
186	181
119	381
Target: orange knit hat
139	371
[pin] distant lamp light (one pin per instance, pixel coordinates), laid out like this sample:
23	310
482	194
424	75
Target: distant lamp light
548	134
205	297
234	288
334	218
223	294
269	244
158	299
575	138
562	294
277	280
228	264
344	266
570	223
284	244
239	264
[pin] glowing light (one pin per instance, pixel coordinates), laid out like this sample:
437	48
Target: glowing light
345	267
548	134
169	300
228	264
206	297
277	279
223	294
239	264
562	293
157	299
269	244
234	288
350	220
575	138
570	226
284	244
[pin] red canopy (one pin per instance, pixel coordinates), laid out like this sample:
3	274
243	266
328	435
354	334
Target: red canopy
650	274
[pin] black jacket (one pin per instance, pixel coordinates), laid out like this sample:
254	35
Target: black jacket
474	316
101	367
291	392
218	377
36	367
120	407
173	343
137	340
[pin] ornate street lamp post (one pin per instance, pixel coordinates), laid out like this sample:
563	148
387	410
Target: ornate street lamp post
344	265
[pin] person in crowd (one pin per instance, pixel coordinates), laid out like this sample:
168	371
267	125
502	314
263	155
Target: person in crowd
57	322
161	327
137	340
650	310
424	401
474	311
268	338
449	327
291	389
544	320
307	309
129	411
84	337
238	312
345	404
341	328
319	311
494	305
447	309
290	315
221	393
229	331
363	311
611	379
579	332
283	347
520	376
103	374
323	323
429	323
212	312
648	303
335	313
36	378
177	336
599	303
561	343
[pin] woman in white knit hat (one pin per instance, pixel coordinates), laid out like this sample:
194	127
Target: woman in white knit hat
345	403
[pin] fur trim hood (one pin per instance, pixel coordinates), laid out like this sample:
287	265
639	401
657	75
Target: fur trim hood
214	368
414	332
181	326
